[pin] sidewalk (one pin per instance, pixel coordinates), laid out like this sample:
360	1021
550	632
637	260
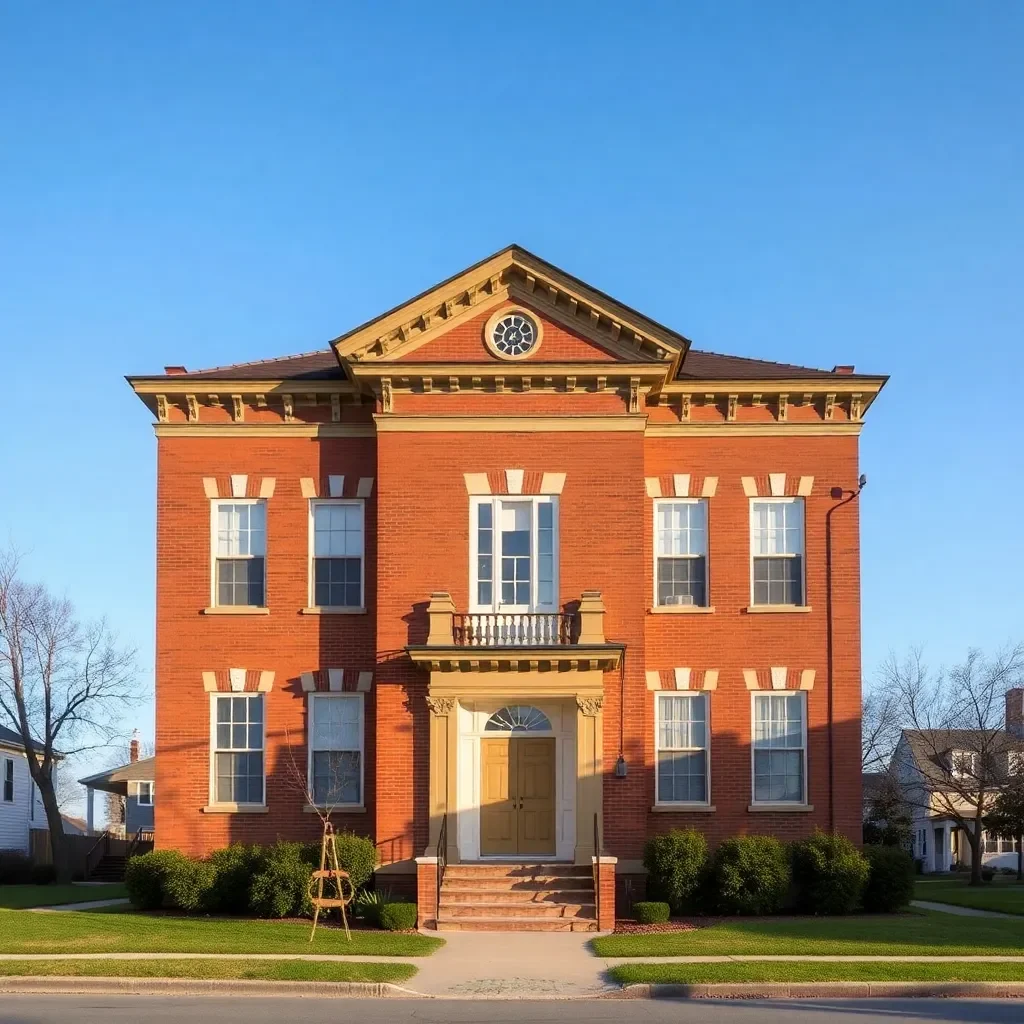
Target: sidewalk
87	905
951	908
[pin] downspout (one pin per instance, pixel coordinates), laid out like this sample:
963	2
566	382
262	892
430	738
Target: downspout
846	497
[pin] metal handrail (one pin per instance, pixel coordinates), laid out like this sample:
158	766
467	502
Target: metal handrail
104	841
137	839
597	870
513	629
442	863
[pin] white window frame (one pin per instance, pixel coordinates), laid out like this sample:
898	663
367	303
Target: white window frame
957	771
311	571
215	504
149	790
803	548
496	501
8	778
658	502
214	749
802	694
691	695
311	705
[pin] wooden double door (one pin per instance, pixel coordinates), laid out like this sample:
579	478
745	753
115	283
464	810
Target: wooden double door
517	789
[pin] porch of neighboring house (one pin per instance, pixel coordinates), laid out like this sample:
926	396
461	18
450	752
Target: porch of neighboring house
942	845
120	839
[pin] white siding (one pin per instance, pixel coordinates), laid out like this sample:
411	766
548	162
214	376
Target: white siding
15	818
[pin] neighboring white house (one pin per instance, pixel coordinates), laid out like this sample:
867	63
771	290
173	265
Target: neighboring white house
932	764
21	808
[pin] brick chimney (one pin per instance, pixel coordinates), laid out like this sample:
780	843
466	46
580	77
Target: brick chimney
843	368
174	371
1015	712
133	749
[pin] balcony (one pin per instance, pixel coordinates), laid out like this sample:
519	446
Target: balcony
517	641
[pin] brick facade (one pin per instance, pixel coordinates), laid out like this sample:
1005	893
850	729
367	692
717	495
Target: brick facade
417	531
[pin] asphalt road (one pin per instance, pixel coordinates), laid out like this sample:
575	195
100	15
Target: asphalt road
18	1009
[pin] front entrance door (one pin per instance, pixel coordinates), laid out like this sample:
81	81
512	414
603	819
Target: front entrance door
517	787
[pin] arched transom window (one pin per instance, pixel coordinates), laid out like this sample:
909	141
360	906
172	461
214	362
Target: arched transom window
518	718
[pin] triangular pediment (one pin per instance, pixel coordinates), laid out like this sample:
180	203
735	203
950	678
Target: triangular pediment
445	324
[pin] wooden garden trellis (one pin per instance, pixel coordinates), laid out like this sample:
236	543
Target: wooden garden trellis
343	888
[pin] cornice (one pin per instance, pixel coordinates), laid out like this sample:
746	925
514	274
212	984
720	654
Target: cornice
184	384
239	431
397	423
754	429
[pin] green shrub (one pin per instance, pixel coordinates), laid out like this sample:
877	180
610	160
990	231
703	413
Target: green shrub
648	912
398	917
188	885
144	877
987	874
675	864
890	885
829	873
43	874
15	868
233	869
368	905
749	875
356	854
280	885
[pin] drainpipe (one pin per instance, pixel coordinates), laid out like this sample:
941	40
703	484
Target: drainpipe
841	497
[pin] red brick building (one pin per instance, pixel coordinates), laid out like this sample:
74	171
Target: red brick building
507	571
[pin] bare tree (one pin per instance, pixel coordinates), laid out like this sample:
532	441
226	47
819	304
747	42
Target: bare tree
952	756
880	728
64	684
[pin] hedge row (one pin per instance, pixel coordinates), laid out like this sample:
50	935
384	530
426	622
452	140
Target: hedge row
823	874
263	881
17	869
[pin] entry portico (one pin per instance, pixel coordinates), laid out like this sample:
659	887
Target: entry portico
516	725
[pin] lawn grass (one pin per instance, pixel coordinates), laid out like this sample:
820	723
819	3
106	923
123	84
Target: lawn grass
1003	893
18	897
919	934
83	932
701	974
265	970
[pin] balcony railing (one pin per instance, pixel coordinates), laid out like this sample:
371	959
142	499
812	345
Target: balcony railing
512	629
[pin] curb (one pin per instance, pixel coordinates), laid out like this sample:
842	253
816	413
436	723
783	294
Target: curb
828	990
54	985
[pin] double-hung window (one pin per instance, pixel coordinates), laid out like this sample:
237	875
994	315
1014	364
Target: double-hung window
780	748
681	552
514	554
337	554
336	749
238	738
681	729
8	780
777	551
239	552
963	764
145	794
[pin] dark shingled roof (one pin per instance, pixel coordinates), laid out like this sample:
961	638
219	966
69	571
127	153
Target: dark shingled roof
324	365
928	747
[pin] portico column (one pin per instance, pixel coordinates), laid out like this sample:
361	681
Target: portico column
589	775
89	793
444	738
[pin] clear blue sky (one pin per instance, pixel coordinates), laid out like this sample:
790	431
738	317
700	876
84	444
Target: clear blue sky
815	183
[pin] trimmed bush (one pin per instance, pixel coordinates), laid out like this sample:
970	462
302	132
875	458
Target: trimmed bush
43	874
675	864
648	912
144	877
280	886
829	873
398	917
233	870
890	885
749	875
15	868
356	854
188	885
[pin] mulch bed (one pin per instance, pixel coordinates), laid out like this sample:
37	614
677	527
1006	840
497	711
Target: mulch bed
628	926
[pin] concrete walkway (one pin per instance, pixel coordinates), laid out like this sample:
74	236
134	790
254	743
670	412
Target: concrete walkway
87	905
951	908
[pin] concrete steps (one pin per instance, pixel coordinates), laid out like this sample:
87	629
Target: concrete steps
517	897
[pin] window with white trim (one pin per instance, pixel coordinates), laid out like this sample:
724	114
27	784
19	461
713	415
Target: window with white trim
681	552
777	551
337	539
780	748
145	794
514	553
963	763
239	552
238	738
8	780
681	741
336	749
